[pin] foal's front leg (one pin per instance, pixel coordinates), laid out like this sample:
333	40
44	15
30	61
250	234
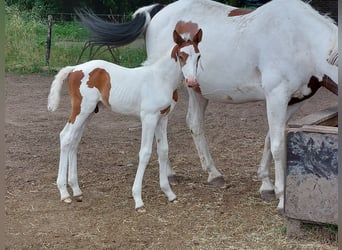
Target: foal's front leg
149	123
163	157
195	121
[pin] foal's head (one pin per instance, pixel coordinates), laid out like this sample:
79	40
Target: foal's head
187	37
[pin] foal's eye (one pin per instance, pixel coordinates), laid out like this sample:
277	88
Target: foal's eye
181	58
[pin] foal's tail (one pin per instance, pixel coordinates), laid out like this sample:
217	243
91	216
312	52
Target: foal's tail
118	34
56	87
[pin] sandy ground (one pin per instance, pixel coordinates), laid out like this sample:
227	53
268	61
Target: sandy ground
203	218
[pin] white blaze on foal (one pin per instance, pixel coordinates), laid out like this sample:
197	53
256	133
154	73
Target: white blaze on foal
149	92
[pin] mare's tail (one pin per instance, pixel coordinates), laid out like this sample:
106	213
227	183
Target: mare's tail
118	34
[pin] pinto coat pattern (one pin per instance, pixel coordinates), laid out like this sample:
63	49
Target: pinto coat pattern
149	92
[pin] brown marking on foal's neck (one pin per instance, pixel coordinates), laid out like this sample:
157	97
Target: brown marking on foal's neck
100	79
197	89
239	12
74	83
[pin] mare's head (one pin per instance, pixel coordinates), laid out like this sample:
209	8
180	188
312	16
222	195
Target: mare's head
187	36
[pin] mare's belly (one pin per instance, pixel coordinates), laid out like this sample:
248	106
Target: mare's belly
233	94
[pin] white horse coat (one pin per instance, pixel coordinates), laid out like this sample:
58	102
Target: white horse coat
269	54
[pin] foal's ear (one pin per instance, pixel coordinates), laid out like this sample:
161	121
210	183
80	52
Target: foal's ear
198	37
177	38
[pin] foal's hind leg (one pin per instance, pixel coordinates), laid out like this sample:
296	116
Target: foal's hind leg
69	140
72	174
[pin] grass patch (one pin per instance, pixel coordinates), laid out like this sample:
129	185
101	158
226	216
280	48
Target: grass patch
25	45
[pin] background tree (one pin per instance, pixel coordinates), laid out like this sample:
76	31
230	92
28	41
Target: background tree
46	7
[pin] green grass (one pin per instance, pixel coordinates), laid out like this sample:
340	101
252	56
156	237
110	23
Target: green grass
25	45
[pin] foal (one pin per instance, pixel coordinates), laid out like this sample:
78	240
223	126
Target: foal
149	91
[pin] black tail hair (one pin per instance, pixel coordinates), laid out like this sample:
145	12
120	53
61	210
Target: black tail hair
118	34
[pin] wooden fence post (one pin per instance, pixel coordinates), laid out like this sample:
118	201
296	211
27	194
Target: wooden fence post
48	40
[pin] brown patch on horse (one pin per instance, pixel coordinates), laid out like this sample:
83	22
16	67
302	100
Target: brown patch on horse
239	12
100	79
313	84
195	36
197	89
74	83
175	95
166	110
187	27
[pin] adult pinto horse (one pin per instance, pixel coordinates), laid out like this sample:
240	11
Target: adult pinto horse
279	53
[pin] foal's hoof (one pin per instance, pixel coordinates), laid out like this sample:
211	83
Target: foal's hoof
217	182
174	201
78	198
67	200
173	180
141	210
268	195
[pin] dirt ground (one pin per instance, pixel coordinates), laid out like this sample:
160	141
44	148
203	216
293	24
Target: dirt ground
203	218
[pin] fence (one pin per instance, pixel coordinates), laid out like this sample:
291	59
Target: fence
72	17
69	17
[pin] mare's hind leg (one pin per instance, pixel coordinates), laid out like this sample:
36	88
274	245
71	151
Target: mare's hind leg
69	140
195	121
163	157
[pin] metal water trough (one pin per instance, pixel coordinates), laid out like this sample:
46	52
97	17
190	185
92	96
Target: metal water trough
311	188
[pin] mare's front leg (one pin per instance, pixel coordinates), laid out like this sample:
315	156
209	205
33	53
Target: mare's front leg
195	121
276	106
163	157
267	189
149	123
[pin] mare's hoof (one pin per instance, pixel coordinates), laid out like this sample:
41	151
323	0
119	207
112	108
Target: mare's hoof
217	182
67	200
268	195
78	198
281	211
